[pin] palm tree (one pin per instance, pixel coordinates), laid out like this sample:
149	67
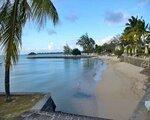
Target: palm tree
13	16
133	32
132	22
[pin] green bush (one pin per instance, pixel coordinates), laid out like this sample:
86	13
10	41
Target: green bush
118	52
76	52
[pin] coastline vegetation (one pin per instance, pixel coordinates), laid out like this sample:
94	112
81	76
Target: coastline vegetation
133	41
76	51
87	43
67	50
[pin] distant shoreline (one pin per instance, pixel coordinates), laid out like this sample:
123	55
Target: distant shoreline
63	56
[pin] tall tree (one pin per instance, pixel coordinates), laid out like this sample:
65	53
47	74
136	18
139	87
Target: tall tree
67	50
13	16
87	43
110	46
98	49
135	28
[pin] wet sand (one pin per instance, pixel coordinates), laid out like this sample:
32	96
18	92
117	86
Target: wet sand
116	90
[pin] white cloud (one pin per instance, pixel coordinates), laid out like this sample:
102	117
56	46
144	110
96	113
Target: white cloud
50	46
115	17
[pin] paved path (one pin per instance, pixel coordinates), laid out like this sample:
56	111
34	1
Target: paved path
54	116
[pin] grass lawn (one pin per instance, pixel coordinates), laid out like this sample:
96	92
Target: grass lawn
19	104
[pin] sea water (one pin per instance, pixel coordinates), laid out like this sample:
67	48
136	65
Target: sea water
71	82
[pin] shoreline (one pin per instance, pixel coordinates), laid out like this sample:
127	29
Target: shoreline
118	88
58	57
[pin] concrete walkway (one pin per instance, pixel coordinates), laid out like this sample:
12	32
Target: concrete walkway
31	115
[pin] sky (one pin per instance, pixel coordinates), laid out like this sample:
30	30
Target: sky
101	19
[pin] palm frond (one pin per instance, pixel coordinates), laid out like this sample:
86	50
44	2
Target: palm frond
13	17
43	10
24	11
11	34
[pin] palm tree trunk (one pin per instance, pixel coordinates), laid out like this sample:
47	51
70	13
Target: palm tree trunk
7	84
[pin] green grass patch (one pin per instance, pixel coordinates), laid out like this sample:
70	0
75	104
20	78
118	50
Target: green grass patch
19	104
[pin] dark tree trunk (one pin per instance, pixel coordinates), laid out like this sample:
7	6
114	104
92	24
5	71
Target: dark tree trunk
7	85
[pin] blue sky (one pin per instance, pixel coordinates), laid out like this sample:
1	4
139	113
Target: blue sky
100	19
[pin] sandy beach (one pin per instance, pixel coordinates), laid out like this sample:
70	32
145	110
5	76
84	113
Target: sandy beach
120	89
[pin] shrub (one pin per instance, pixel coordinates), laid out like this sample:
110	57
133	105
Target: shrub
76	52
118	52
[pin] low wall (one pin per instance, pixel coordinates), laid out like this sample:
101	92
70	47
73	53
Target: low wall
45	110
61	57
141	62
45	104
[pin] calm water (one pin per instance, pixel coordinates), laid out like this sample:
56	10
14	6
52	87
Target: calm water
72	82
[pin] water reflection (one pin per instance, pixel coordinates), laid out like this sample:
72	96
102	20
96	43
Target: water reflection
89	63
